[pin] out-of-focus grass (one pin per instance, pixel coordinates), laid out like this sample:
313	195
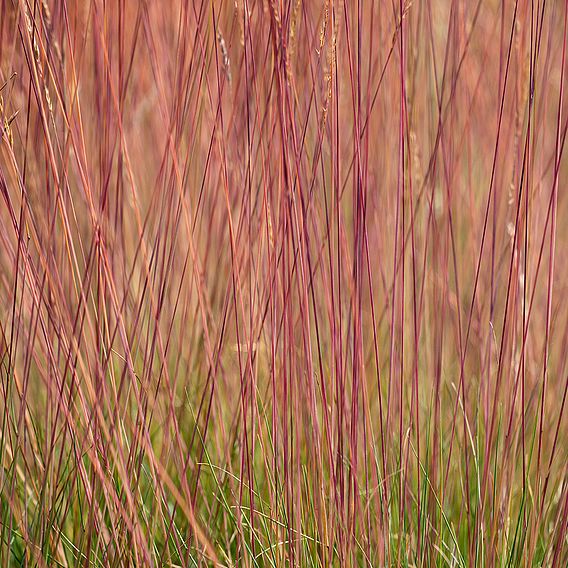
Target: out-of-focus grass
282	283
